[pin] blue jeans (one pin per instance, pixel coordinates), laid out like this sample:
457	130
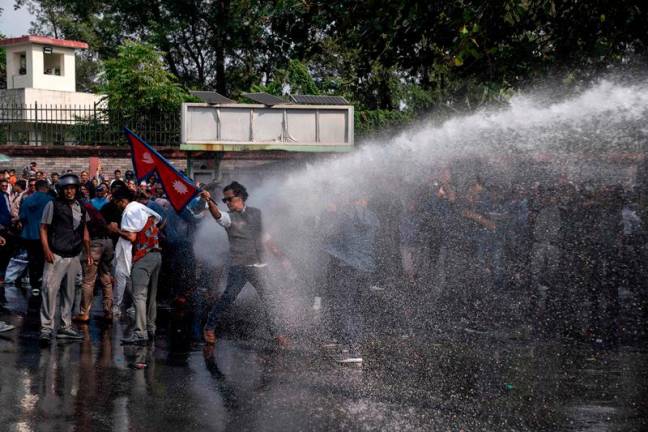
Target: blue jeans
237	277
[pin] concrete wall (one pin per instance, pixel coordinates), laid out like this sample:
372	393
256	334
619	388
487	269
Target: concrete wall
61	164
14	79
56	97
35	76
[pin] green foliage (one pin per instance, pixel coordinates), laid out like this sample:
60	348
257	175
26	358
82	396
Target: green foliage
137	81
295	79
400	57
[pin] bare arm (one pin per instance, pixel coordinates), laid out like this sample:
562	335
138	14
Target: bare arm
49	256
480	219
114	228
86	245
213	208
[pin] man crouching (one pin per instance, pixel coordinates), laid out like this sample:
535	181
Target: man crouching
139	238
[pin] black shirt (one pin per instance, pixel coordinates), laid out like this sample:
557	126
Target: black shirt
112	213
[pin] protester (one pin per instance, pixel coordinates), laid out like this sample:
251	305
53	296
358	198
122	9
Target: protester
54	178
112	214
64	235
30	170
354	263
244	227
139	229
31	214
16	198
86	181
102	252
101	197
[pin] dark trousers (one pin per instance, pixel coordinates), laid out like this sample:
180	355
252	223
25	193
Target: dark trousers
237	277
349	288
36	260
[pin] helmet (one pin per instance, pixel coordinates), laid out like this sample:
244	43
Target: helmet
68	180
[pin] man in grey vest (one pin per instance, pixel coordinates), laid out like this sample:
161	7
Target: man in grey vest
64	234
244	226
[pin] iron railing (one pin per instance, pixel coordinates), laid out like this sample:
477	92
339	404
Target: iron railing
93	125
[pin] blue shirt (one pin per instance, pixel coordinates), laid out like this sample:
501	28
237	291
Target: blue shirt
31	213
98	202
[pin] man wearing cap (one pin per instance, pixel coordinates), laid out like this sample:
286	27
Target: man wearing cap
64	235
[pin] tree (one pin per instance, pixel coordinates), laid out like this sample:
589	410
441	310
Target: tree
137	81
389	56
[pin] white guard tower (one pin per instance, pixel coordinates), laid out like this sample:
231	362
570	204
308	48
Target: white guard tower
41	104
41	70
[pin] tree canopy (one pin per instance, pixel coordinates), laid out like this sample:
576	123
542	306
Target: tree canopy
135	80
393	59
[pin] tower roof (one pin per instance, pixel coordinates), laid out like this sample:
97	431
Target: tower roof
43	40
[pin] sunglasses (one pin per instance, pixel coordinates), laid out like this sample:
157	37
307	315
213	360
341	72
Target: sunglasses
228	199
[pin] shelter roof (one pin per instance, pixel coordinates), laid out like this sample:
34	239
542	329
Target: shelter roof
44	40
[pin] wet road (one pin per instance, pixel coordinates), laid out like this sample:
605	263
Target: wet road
439	381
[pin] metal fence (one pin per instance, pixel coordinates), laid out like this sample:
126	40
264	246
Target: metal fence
58	125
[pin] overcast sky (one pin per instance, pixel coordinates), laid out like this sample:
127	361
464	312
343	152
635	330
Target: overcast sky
13	22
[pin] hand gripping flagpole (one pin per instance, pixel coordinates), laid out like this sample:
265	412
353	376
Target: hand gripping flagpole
142	174
179	189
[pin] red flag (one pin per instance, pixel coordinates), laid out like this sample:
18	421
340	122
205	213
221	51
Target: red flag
179	189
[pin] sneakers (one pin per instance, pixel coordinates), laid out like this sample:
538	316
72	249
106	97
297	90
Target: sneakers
130	312
134	339
116	311
68	333
5	327
350	357
45	337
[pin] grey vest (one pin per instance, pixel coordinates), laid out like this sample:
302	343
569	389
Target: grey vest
245	237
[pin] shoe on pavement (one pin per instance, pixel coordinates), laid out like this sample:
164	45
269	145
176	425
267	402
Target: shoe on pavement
45	336
5	327
35	292
134	340
350	357
209	336
68	333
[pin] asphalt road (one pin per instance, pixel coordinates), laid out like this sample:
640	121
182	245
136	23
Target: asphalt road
444	380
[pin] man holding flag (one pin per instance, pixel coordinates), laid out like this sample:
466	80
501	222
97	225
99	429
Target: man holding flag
244	226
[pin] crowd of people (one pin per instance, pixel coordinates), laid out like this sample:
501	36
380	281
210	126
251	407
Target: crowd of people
556	257
553	255
66	235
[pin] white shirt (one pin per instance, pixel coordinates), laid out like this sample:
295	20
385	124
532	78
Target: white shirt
133	220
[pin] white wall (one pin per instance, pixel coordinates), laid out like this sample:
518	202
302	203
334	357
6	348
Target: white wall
36	77
14	79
